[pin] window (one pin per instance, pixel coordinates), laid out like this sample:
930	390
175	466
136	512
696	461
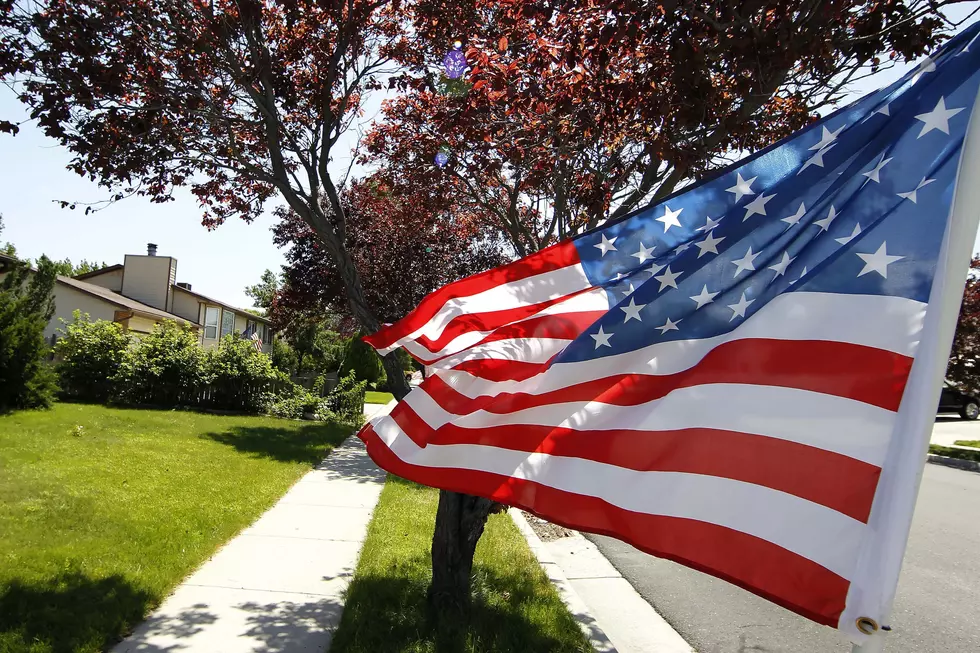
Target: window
250	328
211	323
267	334
227	323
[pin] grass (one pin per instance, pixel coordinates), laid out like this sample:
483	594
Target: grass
949	452
103	511
373	397
515	609
968	443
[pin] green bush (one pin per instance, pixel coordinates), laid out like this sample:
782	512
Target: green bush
346	401
91	354
166	367
284	356
364	362
239	375
949	452
26	306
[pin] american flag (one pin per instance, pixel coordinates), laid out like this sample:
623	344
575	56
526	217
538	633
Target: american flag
718	378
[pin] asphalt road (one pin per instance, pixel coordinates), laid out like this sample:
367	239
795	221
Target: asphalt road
937	608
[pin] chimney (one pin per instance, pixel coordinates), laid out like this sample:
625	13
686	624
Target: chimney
151	249
184	285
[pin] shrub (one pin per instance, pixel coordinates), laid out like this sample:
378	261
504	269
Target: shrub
346	401
165	367
240	375
91	354
364	362
284	356
26	306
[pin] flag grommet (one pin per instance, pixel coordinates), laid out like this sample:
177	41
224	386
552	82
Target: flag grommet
866	625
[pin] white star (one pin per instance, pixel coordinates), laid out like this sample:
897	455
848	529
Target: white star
668	278
911	195
606	245
653	269
709	224
669	326
709	244
780	267
628	290
758	205
632	311
877	262
854	234
794	219
802	274
746	262
683	247
738	310
742	187
619	275
825	223
938	118
670	218
816	159
927	66
872	174
704	298
827	138
966	48
883	109
601	338
644	253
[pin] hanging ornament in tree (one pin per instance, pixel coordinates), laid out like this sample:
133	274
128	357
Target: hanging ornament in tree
455	61
442	158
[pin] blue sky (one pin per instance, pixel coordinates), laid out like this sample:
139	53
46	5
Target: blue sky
219	263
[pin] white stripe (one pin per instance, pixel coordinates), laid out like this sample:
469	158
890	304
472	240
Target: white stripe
527	350
883	322
532	290
845	426
594	300
808	529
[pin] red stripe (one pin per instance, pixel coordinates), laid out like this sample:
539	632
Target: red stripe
757	565
563	326
549	259
488	321
499	370
866	374
830	479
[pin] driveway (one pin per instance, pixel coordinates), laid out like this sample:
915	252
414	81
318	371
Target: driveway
936	610
950	428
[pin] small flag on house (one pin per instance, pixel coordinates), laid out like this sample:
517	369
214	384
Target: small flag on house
740	378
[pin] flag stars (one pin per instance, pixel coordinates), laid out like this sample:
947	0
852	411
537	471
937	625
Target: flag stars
644	253
669	326
877	262
802	274
780	267
606	245
601	338
632	311
827	138
825	223
883	109
927	66
747	262
708	245
758	205
742	187
628	290
669	218
738	310
794	219
668	278
704	297
911	195
938	118
854	234
816	159
709	224
873	174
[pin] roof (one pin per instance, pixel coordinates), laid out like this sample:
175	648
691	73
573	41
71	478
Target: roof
95	273
210	300
122	301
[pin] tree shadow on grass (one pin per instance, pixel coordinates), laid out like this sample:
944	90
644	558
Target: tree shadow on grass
389	613
307	443
70	612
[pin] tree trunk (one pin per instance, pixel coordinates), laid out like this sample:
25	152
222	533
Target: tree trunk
396	376
459	524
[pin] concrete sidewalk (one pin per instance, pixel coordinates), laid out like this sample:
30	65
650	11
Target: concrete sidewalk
278	585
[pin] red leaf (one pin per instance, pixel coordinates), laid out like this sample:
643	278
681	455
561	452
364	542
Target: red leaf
502	45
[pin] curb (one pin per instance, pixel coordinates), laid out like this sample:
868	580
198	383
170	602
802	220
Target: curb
958	463
580	612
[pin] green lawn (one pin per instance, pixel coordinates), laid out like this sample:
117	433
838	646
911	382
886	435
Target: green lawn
968	443
516	608
103	511
372	397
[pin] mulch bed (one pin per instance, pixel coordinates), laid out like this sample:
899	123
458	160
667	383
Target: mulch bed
547	531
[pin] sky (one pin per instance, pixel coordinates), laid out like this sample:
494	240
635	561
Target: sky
219	263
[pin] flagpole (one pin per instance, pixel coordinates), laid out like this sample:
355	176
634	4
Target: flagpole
947	293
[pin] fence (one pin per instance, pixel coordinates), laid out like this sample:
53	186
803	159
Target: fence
221	395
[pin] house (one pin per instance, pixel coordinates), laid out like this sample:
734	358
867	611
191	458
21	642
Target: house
143	291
